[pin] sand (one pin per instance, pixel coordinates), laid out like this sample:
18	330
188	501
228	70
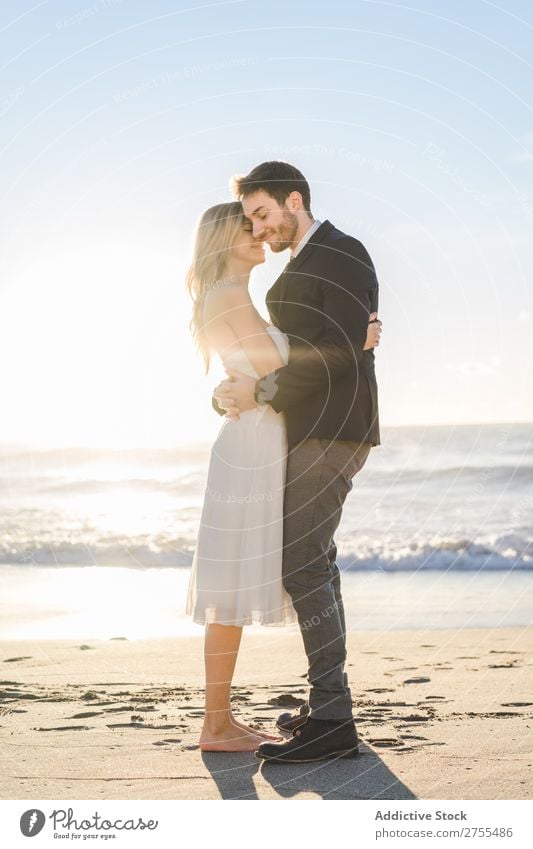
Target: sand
441	714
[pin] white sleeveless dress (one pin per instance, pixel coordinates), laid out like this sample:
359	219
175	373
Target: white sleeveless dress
236	570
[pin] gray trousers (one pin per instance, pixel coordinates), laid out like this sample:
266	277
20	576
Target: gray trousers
319	477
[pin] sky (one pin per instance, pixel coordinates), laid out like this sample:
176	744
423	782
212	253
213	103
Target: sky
123	120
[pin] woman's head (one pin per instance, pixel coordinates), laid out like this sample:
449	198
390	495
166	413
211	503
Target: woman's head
224	248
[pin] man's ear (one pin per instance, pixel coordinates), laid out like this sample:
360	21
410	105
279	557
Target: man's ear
294	202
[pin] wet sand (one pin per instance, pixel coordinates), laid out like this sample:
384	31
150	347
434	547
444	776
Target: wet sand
441	714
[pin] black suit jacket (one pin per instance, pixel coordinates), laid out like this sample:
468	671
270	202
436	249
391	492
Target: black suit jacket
322	301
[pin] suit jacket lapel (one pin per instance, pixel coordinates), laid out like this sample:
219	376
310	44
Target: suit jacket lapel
294	265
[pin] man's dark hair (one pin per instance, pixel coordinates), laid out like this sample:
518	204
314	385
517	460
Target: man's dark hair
277	179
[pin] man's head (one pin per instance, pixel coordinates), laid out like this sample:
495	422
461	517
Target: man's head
276	198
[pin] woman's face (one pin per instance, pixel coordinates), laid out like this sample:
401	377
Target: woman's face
246	249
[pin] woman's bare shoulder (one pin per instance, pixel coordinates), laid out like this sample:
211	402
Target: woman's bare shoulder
219	298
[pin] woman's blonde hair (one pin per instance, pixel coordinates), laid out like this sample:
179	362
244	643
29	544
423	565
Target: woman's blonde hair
215	235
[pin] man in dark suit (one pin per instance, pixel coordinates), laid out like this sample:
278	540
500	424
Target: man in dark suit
328	393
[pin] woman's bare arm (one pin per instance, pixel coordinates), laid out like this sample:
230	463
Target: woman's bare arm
232	305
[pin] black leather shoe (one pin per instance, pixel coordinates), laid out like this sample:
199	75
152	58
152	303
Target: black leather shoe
292	721
316	740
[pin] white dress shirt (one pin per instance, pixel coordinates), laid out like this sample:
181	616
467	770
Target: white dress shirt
305	238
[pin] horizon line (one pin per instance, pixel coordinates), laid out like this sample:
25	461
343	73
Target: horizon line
191	446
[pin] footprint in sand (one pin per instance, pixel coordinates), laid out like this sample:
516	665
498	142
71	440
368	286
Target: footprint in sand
286	700
385	742
87	714
414	717
123	709
140	725
16	659
17	694
166	742
505	651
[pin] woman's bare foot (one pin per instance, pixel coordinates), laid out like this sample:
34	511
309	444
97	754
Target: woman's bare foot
251	730
229	738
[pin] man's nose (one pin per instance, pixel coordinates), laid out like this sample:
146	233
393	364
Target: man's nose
257	229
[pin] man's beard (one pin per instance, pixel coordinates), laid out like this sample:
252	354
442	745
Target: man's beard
285	233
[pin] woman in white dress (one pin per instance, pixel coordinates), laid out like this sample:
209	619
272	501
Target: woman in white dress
236	573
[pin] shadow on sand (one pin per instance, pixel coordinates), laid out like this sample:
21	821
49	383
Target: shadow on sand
242	776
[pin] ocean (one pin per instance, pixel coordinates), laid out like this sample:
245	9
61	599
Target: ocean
437	532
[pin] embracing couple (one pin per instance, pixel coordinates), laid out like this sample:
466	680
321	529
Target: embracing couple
300	417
